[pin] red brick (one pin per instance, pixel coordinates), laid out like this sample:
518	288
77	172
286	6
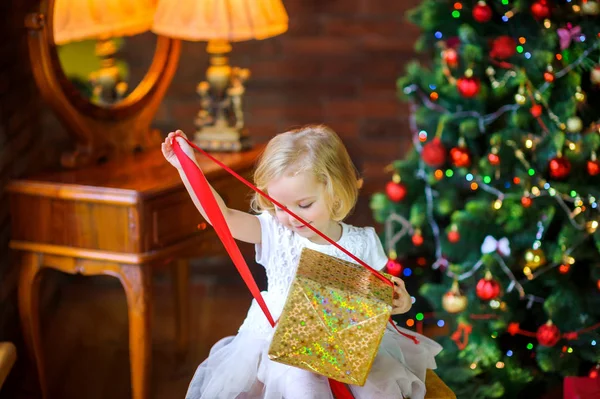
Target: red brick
311	112
185	110
320	46
312	7
290	68
374	149
379	89
345	129
386	7
309	90
344	66
385	129
381	108
301	25
270	47
381	44
343	109
362	27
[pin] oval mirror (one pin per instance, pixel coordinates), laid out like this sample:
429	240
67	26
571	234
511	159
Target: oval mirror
104	47
103	73
106	72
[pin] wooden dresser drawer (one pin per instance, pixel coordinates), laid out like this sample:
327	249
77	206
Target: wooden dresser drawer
174	217
102	226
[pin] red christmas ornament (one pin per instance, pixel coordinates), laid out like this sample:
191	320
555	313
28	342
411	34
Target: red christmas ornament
417	238
434	153
393	267
487	288
593	167
468	87
595	75
526	201
540	9
513	328
564	268
503	47
548	334
395	191
482	12
460	157
536	110
494	159
450	57
548	76
453	236
559	168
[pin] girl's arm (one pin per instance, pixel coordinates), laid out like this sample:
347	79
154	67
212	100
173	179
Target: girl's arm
243	226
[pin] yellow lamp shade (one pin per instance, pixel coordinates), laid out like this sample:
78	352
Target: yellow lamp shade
231	20
76	20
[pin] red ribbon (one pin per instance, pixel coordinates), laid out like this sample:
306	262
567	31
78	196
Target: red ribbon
202	190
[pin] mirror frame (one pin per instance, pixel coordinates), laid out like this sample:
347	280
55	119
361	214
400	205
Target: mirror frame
99	133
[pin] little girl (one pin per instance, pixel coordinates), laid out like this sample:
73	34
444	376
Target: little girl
310	172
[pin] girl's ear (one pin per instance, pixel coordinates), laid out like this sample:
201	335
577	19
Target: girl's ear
335	208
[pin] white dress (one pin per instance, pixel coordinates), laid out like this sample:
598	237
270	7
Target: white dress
239	366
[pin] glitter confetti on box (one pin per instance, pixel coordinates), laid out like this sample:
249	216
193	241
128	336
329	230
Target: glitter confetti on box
333	320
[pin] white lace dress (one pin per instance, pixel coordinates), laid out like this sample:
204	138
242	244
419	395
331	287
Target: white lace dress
239	367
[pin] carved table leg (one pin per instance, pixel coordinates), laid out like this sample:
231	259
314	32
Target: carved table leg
180	274
136	280
29	301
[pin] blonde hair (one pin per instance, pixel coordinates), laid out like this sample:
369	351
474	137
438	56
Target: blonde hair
314	148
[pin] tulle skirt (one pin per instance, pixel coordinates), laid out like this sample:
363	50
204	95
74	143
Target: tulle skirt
239	367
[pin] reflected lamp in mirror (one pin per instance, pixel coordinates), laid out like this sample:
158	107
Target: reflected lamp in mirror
220	121
103	21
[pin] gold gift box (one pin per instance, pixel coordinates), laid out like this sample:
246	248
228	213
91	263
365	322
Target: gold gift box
333	319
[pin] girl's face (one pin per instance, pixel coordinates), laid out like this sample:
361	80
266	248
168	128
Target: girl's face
305	196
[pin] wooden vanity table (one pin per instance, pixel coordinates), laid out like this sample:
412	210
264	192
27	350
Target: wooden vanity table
120	219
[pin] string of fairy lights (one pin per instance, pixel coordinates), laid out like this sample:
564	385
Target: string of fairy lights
539	186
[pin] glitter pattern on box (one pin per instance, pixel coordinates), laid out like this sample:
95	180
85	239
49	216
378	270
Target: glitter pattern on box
333	320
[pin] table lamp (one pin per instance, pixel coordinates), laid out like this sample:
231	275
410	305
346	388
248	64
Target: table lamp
220	121
103	20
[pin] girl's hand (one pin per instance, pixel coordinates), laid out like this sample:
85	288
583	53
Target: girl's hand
402	302
167	148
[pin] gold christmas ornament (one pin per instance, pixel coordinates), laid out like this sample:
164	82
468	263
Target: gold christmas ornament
590	7
534	258
454	301
520	99
520	96
580	95
497	204
591	226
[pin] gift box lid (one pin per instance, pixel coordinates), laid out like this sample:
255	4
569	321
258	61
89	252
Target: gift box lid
315	265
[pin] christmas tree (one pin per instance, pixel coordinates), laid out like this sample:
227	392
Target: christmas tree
498	198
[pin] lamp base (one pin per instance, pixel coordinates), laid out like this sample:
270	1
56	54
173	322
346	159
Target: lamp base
108	85
222	139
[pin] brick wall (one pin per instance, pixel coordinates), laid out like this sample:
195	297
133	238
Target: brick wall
337	64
